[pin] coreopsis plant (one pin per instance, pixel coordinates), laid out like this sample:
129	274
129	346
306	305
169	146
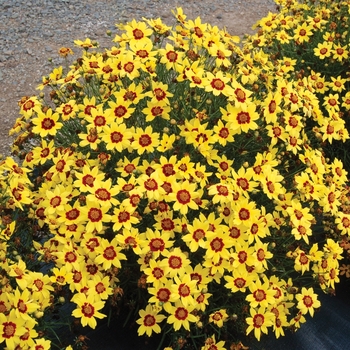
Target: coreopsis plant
309	42
173	177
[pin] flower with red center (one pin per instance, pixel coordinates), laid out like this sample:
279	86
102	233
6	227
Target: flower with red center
184	195
217	245
340	53
99	287
156	274
218	84
259	321
156	242
108	253
68	110
307	301
186	289
123	217
221	192
41	286
149	321
161	293
171	57
145	140
11	329
94	217
46	123
240	279
23	304
218	317
223	133
151	185
116	136
87	309
262	295
180	316
156	109
241	119
196	236
175	261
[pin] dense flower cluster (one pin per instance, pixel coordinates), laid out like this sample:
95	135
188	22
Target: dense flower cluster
178	171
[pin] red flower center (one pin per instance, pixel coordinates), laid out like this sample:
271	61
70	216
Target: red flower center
116	137
156	244
120	111
184	290
239	282
163	295
95	215
243	118
258	320
145	140
102	194
109	253
175	262
217	84
149	321
181	313
183	196
123	216
217	244
198	234
87	310
167	224
307	301
244	214
47	123
9	329
259	295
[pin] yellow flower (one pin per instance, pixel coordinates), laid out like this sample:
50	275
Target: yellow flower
99	287
149	321
303	32
86	44
262	295
196	233
186	289
340	53
123	217
156	242
119	110
217	245
68	110
240	279
171	57
307	301
11	329
323	50
42	344
259	321
184	195
155	110
87	309
218	84
218	317
241	119
180	316
108	254
46	123
221	54
145	140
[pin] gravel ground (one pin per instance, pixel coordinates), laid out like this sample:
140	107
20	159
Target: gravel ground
31	31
